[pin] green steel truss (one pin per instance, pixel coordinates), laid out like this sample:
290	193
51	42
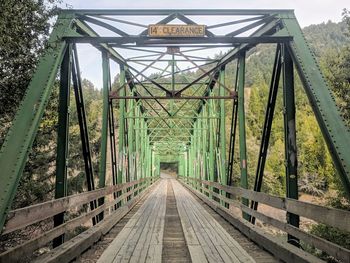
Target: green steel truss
165	115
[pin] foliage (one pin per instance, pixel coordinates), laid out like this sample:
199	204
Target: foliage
93	109
24	29
337	71
316	172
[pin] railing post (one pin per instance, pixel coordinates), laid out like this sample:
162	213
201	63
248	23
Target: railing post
290	137
62	137
241	125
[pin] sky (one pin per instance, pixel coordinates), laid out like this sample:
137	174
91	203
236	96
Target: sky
307	13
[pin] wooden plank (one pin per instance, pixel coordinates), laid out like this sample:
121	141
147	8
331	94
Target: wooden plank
131	232
15	254
227	247
139	243
190	235
332	249
322	244
77	245
206	238
327	215
26	216
130	229
197	254
80	243
154	241
154	254
224	241
280	248
140	253
194	246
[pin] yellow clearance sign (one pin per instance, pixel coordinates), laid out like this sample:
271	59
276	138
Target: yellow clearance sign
176	30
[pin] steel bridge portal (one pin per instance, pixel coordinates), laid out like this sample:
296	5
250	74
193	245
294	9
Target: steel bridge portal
170	106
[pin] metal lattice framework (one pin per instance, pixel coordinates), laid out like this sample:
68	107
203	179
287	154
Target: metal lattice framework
165	115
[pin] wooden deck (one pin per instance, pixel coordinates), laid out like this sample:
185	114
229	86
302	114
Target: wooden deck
200	239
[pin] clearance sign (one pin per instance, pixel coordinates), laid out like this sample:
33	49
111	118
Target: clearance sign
176	30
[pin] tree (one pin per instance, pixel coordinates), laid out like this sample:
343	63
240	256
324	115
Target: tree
24	29
336	67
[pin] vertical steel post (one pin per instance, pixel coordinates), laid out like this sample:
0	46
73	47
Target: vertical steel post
62	137
104	132
131	139
241	126
121	129
223	177
172	81
211	143
112	141
130	134
204	144
265	137
84	134
233	132
290	137
142	148
137	145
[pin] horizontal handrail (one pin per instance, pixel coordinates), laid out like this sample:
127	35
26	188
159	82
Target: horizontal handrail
29	215
327	215
277	202
29	246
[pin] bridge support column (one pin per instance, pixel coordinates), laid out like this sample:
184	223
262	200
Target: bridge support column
211	134
223	174
84	135
233	133
104	132
121	137
290	137
130	133
266	133
112	139
241	124
137	145
62	137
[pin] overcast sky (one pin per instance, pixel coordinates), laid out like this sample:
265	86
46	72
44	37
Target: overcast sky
307	12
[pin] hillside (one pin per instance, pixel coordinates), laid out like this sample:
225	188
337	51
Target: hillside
318	178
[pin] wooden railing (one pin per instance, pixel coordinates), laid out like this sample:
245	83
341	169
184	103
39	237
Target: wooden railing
326	215
130	193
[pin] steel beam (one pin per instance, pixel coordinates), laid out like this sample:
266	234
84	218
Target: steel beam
20	137
241	126
233	132
104	130
84	135
189	12
290	142
223	177
62	137
222	97
335	132
266	133
150	41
